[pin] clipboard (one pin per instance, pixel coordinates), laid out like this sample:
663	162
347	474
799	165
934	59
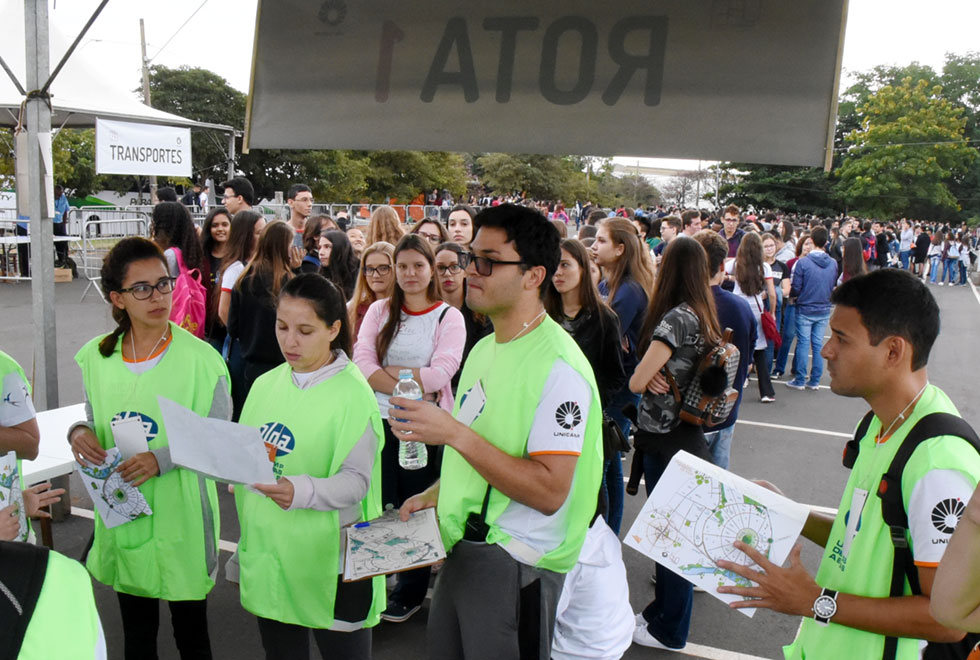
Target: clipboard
387	545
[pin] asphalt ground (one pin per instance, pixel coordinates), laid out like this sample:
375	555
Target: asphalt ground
795	442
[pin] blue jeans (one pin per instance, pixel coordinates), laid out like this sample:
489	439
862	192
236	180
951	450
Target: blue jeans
949	266
612	472
934	262
963	271
903	256
668	617
720	445
809	331
789	334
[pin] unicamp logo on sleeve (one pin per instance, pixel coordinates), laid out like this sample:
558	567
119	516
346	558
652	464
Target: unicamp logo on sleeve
568	415
946	514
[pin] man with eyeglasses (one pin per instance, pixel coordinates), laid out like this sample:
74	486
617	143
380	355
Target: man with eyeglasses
729	229
299	199
522	460
239	194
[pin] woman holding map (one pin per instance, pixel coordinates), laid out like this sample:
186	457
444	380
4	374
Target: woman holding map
166	545
321	424
680	323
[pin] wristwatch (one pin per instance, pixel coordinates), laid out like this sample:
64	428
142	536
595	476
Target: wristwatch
825	606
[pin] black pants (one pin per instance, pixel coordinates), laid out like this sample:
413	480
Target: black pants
23	254
141	621
397	485
61	247
285	641
762	373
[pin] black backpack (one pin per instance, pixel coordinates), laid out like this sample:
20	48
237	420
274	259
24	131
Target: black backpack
22	570
894	514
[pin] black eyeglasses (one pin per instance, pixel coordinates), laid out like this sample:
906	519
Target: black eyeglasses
483	266
435	239
453	269
142	291
380	270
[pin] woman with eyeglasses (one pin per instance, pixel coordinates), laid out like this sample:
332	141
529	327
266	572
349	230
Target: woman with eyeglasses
452	289
375	280
171	554
432	231
413	329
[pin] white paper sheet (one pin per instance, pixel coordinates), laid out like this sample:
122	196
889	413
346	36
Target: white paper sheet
695	514
116	501
129	436
10	491
388	545
214	448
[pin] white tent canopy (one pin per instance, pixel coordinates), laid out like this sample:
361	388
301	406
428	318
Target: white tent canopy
79	93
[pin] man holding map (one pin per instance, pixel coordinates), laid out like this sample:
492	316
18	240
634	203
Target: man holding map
522	461
882	330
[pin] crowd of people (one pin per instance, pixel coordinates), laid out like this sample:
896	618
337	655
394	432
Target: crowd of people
543	355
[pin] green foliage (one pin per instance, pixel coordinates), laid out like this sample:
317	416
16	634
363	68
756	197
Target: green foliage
796	189
909	144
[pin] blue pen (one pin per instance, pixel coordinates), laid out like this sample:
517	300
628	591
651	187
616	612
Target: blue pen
362	524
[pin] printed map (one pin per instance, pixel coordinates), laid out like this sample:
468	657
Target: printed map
116	501
695	514
388	545
10	491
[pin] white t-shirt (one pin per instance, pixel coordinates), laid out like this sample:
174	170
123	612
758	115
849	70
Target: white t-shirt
756	303
16	406
935	506
594	618
230	275
412	346
556	430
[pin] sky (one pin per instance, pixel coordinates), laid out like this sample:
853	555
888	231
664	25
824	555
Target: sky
218	36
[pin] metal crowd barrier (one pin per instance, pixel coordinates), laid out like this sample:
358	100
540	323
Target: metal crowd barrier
101	227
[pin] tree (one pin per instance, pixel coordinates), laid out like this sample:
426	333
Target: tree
792	189
679	190
908	146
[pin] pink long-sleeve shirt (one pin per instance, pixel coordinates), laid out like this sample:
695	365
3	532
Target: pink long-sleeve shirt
431	341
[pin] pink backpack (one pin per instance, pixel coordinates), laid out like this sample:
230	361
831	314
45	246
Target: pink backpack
189	307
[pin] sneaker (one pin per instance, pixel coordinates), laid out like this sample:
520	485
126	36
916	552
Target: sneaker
768	399
398	613
643	637
813	387
940	284
777	374
640	621
795	385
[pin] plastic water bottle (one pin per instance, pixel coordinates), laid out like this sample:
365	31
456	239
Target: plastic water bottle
412	455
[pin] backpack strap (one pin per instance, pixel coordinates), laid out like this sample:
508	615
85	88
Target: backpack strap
853	446
893	507
180	259
22	570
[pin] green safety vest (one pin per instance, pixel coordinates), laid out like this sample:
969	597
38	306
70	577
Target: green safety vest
65	623
865	569
290	560
513	376
9	365
162	555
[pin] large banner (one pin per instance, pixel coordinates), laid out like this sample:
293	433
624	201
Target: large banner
145	149
741	80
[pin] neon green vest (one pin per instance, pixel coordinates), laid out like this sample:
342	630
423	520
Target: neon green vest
864	566
8	365
162	555
513	376
290	559
65	623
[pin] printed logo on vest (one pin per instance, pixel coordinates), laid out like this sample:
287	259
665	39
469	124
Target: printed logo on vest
947	514
279	440
150	427
568	415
